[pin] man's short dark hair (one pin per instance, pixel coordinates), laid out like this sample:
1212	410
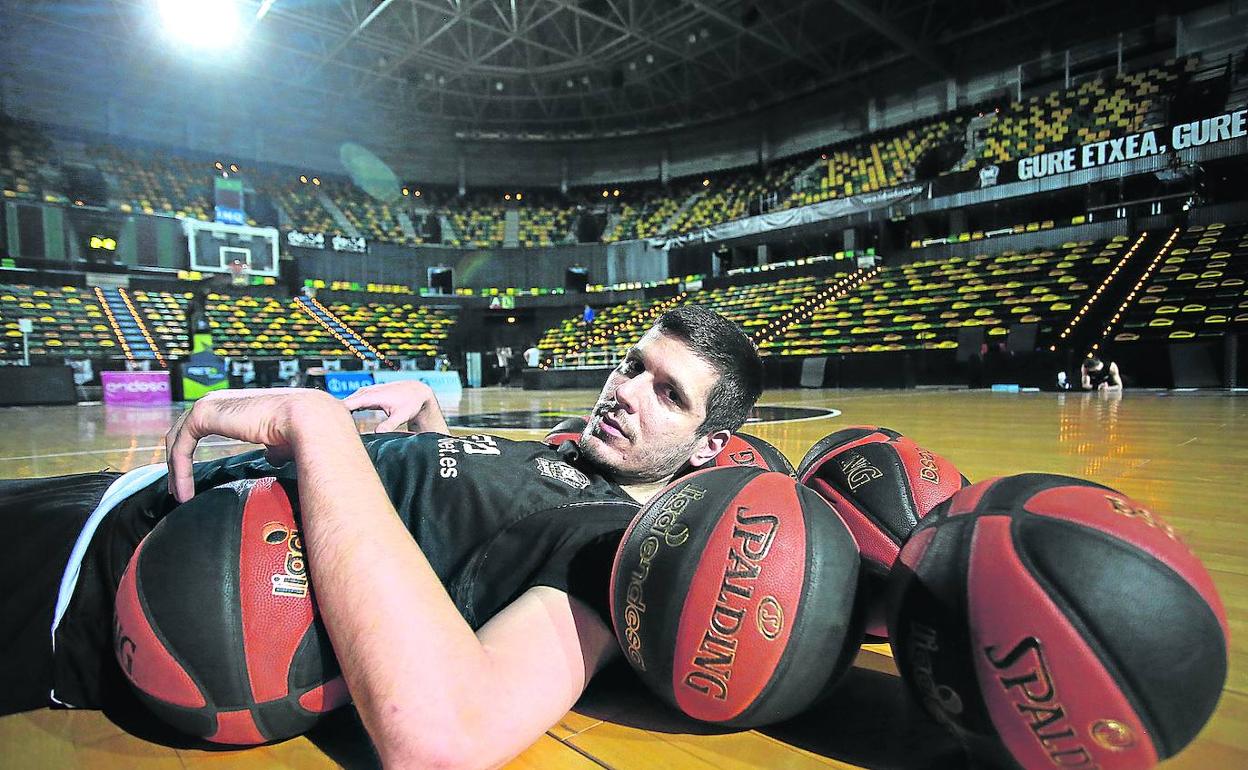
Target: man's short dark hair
723	345
1093	362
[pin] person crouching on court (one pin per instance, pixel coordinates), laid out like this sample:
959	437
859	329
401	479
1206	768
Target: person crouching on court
1096	374
463	581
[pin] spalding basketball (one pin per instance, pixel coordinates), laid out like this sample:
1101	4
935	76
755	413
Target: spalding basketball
744	449
1053	622
881	483
566	430
732	595
215	626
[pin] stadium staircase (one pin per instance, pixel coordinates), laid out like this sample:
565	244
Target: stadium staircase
132	334
511	228
341	331
1172	260
976	133
613	221
409	229
805	308
340	218
1101	310
449	233
806	179
679	213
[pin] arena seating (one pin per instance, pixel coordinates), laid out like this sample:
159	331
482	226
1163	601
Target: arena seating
1200	290
614	328
297	197
164	313
22	151
729	198
479	227
862	167
257	326
376	220
67	322
544	226
1092	111
398	330
638	218
756	305
167	183
922	305
157	183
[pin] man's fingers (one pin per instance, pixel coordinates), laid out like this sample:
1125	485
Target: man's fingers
391	423
180	454
278	455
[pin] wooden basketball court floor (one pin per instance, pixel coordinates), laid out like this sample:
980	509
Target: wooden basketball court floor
1184	455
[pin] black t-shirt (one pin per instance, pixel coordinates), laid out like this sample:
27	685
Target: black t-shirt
1098	376
493	516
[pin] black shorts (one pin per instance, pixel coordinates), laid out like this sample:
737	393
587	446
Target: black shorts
40	520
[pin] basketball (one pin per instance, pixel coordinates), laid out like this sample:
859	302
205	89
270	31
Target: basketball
1058	623
215	625
881	483
732	595
744	449
566	430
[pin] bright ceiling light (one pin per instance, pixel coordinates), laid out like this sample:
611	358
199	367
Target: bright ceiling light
201	23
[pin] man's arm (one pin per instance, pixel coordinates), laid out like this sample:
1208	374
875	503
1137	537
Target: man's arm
430	692
1085	381
1114	382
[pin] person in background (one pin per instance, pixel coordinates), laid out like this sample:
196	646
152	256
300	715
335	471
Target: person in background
1096	374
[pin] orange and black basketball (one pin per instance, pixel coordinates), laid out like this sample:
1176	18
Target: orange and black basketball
732	596
566	430
1053	622
881	483
747	450
215	625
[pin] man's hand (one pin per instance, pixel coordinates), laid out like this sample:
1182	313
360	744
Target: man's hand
272	417
405	402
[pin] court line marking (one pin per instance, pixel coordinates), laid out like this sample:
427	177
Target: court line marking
114	449
830	412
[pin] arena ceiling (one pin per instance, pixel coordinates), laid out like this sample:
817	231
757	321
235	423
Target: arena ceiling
557	69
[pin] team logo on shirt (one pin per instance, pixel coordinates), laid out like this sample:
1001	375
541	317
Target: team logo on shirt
552	469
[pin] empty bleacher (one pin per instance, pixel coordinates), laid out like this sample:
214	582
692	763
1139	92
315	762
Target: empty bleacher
1091	111
1199	291
67	322
397	330
922	305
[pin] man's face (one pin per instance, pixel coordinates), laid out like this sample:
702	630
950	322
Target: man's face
645	424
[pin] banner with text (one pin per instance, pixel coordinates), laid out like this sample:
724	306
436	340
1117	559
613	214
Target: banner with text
136	388
1143	144
317	241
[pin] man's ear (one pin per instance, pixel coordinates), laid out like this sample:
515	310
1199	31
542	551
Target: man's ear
709	447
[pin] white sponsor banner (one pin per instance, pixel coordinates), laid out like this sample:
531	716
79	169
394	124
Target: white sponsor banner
1157	141
445	385
305	240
